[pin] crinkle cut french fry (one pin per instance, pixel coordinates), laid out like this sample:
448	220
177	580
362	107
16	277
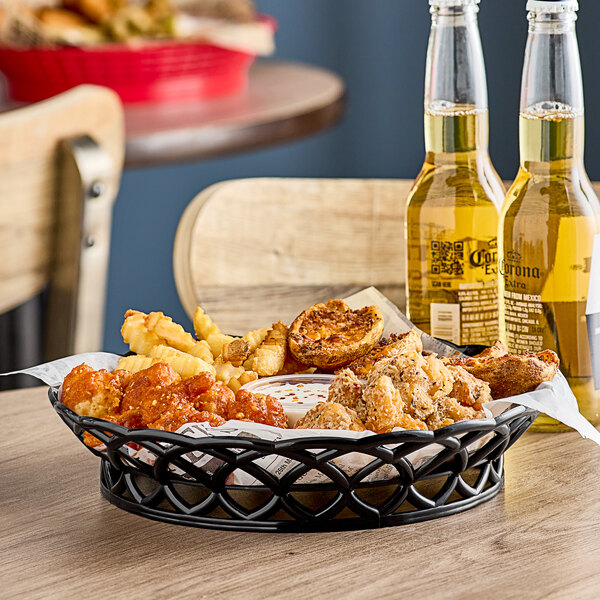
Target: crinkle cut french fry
204	325
136	363
270	355
216	342
235	383
255	338
225	370
176	336
202	350
184	364
136	334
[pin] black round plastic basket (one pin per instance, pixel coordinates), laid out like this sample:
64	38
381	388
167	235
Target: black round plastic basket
465	469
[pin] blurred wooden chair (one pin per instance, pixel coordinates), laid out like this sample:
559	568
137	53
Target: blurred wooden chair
253	251
60	167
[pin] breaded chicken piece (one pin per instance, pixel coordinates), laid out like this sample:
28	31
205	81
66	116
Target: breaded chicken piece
347	390
173	419
419	380
331	415
217	399
206	394
511	374
146	386
155	401
448	411
132	419
258	408
198	384
467	389
395	345
158	398
93	393
495	351
385	407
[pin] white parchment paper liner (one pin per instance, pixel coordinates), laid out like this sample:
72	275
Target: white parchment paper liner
554	398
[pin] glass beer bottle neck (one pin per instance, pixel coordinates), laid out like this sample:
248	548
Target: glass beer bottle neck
456	117
551	130
459	131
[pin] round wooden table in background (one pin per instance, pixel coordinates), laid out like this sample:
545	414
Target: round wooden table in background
284	101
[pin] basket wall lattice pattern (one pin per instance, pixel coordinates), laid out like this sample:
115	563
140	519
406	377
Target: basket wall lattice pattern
201	490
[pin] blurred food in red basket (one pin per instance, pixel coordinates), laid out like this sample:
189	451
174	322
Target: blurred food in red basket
226	23
146	50
159	398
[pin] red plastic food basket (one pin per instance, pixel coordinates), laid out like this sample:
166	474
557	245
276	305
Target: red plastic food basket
152	71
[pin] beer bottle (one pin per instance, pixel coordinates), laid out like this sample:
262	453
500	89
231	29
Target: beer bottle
452	211
550	213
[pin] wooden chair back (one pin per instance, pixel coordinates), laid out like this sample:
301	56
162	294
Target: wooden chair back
254	251
60	167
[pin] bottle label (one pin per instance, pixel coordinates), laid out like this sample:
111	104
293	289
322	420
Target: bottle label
522	316
445	321
461	290
545	301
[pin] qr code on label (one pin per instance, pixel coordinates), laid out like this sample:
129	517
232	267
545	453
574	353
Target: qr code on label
447	258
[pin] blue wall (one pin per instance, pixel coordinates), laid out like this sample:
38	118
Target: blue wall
379	48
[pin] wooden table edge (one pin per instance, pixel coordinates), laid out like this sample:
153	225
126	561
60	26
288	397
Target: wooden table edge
197	143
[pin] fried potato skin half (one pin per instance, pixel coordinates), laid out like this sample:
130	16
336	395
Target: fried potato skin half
332	335
511	374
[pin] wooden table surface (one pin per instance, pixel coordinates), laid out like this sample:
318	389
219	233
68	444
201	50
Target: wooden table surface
284	101
539	538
